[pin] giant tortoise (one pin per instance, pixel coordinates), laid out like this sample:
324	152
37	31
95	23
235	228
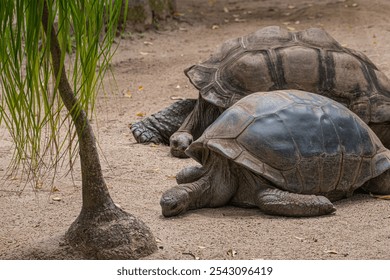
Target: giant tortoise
270	59
286	152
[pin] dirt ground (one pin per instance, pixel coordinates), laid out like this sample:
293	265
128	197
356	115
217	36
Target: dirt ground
148	70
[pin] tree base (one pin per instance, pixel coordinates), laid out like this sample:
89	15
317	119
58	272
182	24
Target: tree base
110	233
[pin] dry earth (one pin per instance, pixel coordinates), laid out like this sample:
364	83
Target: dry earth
148	70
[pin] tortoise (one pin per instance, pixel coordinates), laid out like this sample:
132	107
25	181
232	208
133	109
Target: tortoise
270	59
286	152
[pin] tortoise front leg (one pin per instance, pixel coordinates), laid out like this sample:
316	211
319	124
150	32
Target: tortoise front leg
182	138
190	174
277	202
159	127
214	188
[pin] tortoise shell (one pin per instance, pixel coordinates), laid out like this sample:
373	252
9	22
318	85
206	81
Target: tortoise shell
311	60
301	142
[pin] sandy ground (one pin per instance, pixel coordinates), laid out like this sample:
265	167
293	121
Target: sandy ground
148	70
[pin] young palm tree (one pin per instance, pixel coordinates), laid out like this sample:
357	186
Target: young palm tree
34	88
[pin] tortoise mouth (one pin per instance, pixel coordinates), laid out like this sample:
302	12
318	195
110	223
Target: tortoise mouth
179	152
174	202
170	209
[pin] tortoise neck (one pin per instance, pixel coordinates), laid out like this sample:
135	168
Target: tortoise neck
218	185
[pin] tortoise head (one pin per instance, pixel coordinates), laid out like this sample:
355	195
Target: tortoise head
174	201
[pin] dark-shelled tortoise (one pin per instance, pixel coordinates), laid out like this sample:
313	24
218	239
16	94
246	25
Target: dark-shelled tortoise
270	59
286	152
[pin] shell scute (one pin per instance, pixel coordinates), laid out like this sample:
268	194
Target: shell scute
380	163
311	177
224	50
228	147
331	142
230	125
349	73
306	60
256	165
200	76
330	171
267	36
353	134
268	139
318	37
293	179
248	73
298	118
348	171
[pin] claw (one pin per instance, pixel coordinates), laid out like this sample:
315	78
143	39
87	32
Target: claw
136	133
144	135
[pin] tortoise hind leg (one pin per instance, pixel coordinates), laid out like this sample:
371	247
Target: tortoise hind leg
277	202
379	185
383	133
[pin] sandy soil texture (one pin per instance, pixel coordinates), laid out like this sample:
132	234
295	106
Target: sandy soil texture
148	70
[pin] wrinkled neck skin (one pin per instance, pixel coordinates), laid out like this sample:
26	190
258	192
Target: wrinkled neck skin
217	185
202	116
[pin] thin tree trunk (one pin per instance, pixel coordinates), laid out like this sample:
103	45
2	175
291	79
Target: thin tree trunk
102	230
95	192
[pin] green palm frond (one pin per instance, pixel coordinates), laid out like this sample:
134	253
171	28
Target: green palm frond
30	107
